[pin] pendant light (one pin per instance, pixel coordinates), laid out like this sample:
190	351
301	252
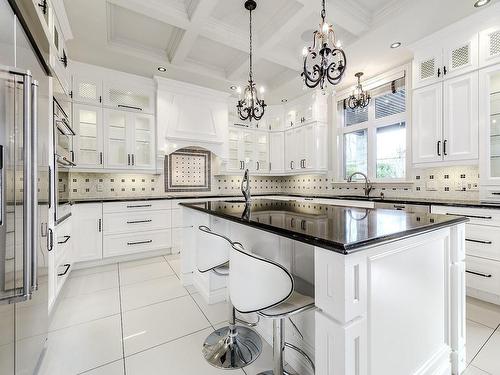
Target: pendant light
250	107
324	61
359	98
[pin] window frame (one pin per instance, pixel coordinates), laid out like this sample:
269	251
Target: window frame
372	124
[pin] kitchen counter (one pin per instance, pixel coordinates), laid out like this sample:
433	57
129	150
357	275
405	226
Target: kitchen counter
341	229
420	201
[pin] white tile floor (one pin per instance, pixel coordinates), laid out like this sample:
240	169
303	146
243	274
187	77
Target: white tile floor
135	318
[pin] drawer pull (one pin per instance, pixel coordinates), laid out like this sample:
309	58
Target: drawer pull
66	239
139	242
139	221
308	199
495	193
399	207
129	107
472	216
479	273
479	241
138	205
65	271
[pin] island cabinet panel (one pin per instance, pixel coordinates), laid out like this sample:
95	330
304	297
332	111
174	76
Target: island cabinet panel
375	303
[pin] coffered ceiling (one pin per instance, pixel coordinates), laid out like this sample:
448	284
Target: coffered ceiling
206	41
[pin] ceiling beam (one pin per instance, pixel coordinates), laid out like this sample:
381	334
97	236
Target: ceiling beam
198	17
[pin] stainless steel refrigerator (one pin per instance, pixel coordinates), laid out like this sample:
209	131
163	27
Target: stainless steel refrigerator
24	162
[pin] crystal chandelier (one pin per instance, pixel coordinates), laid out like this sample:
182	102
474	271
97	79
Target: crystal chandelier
359	98
324	61
250	107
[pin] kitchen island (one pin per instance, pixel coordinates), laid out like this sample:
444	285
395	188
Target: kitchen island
388	285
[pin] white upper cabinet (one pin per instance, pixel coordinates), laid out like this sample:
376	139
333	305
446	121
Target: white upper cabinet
306	148
312	107
445	121
460	118
276	152
489	125
489	46
87	89
275	117
132	97
439	60
88	143
129	140
248	149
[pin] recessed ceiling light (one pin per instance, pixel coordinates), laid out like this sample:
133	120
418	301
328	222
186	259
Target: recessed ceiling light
162	69
396	45
233	87
284	100
481	3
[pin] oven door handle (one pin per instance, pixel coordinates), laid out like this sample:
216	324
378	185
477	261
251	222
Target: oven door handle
65	161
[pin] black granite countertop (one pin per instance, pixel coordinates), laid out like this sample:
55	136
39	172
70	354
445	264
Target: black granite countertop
341	229
420	201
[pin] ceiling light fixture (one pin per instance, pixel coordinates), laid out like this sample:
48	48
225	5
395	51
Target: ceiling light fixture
284	100
324	61
359	98
396	45
233	87
250	107
481	3
162	69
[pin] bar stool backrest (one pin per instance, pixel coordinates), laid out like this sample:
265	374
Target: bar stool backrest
256	283
212	249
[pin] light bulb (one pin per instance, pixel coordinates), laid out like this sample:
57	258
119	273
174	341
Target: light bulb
338	44
325	27
238	90
305	51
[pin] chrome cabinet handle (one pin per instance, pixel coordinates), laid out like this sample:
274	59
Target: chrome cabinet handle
139	242
139	221
439	72
444	147
99	225
472	216
133	159
258	165
479	241
399	207
439	148
128	159
308	199
138	205
291	164
50	240
100	158
65	271
66	239
129	107
487	275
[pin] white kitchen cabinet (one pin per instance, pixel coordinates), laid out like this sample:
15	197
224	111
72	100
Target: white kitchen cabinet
460	121
440	58
87	233
132	97
445	121
129	140
489	128
247	149
261	152
489	46
275	117
87	89
276	152
306	148
88	142
308	108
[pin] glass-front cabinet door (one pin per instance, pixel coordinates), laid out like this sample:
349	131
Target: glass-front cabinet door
143	141
117	134
87	121
489	121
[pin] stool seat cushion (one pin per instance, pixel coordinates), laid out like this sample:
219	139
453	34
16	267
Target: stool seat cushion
294	304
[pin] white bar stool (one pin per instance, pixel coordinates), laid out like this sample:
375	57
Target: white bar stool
259	285
233	346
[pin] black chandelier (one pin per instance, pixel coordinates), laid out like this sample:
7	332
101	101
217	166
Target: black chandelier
324	61
250	107
359	98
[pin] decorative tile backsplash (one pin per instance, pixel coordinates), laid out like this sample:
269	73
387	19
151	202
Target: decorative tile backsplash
459	183
188	170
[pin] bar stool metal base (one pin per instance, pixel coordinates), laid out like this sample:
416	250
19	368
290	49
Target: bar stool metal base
234	348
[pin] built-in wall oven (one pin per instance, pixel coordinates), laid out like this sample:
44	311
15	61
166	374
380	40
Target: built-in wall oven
64	158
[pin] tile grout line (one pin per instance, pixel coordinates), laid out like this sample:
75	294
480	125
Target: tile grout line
157	303
121	320
484	344
81	323
199	308
172	268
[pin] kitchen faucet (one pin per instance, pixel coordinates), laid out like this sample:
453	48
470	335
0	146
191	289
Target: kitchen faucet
368	187
245	186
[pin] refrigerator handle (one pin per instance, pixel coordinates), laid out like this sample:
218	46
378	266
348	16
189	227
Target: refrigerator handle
27	187
34	186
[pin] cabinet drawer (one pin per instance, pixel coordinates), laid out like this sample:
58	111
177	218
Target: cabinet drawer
132	206
126	222
483	274
482	241
115	245
476	215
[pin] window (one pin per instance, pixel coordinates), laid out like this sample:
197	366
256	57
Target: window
374	138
